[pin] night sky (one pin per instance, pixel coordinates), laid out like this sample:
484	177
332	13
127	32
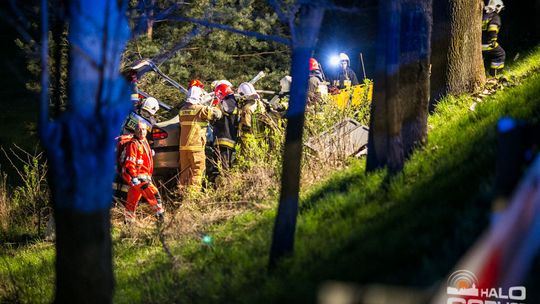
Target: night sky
351	33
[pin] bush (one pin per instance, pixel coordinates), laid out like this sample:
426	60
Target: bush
24	210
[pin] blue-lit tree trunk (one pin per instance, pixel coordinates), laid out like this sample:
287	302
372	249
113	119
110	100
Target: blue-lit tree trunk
400	107
304	35
80	147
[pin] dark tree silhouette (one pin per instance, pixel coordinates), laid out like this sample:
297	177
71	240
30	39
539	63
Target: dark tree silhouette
304	33
79	144
400	107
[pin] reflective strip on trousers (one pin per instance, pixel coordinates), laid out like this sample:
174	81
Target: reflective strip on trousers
497	65
493	28
225	142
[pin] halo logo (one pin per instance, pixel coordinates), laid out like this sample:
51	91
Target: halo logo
463	289
463	283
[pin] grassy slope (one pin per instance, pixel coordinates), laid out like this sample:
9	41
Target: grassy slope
408	231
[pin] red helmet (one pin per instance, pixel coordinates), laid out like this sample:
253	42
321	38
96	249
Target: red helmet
222	91
313	64
196	83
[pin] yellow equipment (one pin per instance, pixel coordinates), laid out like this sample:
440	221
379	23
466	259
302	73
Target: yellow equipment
354	96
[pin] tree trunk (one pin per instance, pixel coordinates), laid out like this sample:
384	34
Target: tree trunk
150	19
457	48
84	260
415	72
304	36
384	136
400	108
80	149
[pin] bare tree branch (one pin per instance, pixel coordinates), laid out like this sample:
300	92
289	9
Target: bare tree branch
159	59
257	54
228	28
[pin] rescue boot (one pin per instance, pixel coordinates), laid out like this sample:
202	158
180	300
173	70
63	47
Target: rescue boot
495	72
160	213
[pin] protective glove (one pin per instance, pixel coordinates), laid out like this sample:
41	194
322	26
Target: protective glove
142	178
216	113
334	90
135	181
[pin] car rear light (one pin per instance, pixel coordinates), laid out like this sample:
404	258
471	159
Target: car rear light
158	133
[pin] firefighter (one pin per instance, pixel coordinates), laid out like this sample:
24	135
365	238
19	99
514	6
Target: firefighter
225	128
137	173
215	83
491	24
346	76
257	128
316	85
145	114
251	105
285	85
194	118
280	102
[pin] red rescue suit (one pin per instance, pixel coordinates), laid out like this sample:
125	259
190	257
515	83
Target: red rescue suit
137	173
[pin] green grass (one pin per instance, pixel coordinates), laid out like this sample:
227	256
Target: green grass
406	230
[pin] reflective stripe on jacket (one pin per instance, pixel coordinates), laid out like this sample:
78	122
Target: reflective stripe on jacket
193	124
138	160
491	24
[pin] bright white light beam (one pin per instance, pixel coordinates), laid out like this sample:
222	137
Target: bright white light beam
334	60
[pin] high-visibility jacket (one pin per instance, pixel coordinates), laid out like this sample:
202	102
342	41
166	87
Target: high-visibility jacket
194	120
138	160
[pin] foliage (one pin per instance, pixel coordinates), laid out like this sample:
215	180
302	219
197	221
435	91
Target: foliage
216	54
24	210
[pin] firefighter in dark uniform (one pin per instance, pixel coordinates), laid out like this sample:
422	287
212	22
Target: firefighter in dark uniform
346	77
316	82
491	23
225	129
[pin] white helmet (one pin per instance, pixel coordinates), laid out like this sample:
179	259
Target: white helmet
285	84
195	95
151	105
494	6
215	83
248	90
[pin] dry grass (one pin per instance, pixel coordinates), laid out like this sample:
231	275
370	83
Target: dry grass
5	205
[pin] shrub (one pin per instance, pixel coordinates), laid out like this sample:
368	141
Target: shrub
24	210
